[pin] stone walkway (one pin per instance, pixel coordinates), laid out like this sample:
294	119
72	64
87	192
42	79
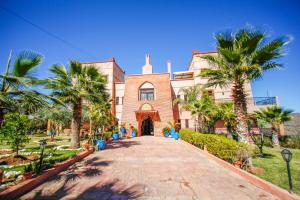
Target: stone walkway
148	168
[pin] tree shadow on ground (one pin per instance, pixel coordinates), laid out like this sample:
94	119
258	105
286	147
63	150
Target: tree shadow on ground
122	144
267	155
67	183
113	190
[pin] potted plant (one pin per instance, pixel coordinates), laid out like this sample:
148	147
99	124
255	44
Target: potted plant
28	171
176	135
174	128
237	164
101	143
115	134
133	131
166	131
87	146
123	129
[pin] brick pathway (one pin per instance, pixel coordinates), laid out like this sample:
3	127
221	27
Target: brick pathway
148	168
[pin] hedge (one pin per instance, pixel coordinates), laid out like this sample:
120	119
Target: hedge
218	145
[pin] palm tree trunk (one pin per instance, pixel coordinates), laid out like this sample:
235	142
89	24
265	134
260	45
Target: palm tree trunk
240	108
229	132
1	116
91	124
76	124
275	140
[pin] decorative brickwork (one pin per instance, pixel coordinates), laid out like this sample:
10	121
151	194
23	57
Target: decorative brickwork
162	102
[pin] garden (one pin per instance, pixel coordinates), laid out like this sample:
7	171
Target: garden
252	141
39	131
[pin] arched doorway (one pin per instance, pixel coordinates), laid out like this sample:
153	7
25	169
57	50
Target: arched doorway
147	126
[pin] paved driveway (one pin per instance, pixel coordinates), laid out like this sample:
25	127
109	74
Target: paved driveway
148	168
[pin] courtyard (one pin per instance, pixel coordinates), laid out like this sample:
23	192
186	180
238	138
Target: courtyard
147	168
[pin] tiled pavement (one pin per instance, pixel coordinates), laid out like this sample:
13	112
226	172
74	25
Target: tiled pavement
148	168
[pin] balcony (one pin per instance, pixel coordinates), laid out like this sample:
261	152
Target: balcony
263	101
256	101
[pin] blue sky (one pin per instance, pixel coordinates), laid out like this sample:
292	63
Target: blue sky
127	30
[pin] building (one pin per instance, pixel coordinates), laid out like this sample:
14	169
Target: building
145	100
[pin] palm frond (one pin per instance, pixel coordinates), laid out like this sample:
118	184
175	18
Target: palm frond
25	62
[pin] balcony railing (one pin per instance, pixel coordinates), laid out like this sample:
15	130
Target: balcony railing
257	101
262	101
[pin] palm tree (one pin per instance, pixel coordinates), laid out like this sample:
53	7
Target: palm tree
226	113
191	95
16	91
75	86
275	116
243	56
98	114
201	106
206	111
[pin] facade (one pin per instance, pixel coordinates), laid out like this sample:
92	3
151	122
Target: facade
145	100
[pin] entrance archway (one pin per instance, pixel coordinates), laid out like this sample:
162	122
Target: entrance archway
147	126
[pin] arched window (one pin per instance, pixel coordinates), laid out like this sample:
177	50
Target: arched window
146	92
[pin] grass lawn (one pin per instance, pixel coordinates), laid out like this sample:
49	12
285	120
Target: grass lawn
33	146
275	168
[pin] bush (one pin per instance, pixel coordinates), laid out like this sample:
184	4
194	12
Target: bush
104	135
166	129
290	141
218	145
15	130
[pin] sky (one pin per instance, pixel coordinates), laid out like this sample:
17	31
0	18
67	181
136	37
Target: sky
94	30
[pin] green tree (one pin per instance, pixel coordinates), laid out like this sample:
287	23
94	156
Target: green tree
100	116
16	85
201	105
243	56
75	86
56	116
227	114
275	116
14	131
207	114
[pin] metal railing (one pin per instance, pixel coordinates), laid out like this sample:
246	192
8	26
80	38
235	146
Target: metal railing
257	101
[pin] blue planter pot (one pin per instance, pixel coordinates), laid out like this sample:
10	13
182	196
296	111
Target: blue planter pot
166	134
115	136
172	130
176	136
101	144
133	134
123	130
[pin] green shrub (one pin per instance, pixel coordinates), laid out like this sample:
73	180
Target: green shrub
290	141
107	135
15	130
104	135
218	145
166	129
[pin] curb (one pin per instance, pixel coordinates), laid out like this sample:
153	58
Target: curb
254	180
18	190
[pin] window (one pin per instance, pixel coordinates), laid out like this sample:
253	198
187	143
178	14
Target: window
185	97
117	101
186	123
146	92
178	96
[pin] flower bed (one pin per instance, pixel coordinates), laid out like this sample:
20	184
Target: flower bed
14	166
218	145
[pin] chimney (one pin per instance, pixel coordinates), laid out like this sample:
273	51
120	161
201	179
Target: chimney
169	68
147	68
